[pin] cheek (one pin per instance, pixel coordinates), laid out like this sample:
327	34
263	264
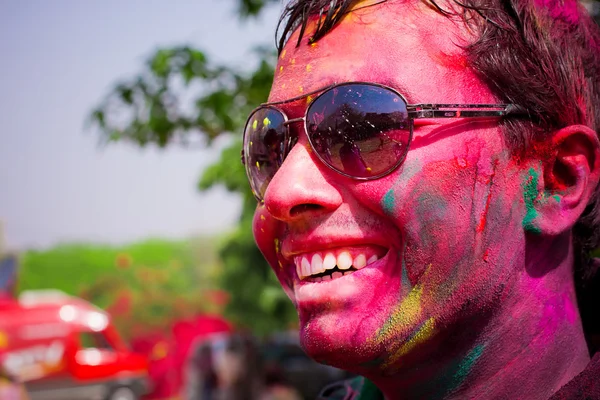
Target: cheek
440	218
267	234
453	210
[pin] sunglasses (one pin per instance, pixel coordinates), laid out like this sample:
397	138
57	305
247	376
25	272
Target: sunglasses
360	130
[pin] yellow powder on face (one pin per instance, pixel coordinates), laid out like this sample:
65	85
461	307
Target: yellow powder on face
300	89
281	68
277	245
262	218
309	99
283	53
308	67
406	314
423	334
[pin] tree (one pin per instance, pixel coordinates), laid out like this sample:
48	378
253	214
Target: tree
148	109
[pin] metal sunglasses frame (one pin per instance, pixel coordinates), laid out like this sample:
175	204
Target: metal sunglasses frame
415	111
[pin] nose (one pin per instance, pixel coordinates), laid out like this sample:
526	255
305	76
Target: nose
300	189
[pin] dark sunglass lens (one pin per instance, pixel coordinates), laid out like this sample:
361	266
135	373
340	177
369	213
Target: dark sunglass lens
360	130
264	147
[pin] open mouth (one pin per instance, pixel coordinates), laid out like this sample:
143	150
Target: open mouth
335	263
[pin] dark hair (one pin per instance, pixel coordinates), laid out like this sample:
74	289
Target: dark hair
543	55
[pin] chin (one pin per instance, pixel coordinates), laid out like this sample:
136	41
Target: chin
340	342
343	354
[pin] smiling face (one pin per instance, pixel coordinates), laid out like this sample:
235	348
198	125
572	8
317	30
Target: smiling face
393	269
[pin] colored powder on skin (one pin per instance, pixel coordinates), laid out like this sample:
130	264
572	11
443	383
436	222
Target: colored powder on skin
406	285
455	374
530	193
277	246
557	198
465	366
421	335
570	309
389	202
483	219
405	315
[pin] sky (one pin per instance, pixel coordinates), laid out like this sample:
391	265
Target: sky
59	59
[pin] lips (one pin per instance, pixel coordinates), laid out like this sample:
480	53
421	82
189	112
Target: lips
318	266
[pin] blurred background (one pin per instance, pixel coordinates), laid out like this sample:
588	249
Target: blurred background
128	268
123	200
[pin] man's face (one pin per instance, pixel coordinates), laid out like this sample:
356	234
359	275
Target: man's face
441	235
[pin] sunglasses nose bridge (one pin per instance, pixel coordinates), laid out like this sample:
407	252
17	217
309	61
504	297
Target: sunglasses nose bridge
293	120
292	138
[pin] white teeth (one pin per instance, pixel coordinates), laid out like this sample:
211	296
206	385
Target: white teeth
329	261
360	261
316	266
305	267
344	260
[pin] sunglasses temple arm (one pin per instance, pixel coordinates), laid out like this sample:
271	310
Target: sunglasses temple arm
470	112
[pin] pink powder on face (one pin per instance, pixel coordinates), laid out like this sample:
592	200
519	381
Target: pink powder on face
571	311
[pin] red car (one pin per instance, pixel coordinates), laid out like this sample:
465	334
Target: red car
63	347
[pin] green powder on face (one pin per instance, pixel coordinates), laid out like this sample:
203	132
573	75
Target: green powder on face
453	376
467	364
557	198
389	202
530	193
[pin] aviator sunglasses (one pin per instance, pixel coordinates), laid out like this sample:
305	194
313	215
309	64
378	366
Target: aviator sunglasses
360	130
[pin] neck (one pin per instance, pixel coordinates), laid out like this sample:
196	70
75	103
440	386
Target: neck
531	345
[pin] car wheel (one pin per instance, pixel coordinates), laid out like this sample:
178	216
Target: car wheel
122	393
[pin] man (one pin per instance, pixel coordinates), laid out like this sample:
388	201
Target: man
434	197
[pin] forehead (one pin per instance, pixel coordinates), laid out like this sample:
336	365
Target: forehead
405	44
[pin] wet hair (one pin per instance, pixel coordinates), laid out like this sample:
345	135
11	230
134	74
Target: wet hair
543	55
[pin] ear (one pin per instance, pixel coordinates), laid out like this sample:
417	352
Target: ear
571	175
